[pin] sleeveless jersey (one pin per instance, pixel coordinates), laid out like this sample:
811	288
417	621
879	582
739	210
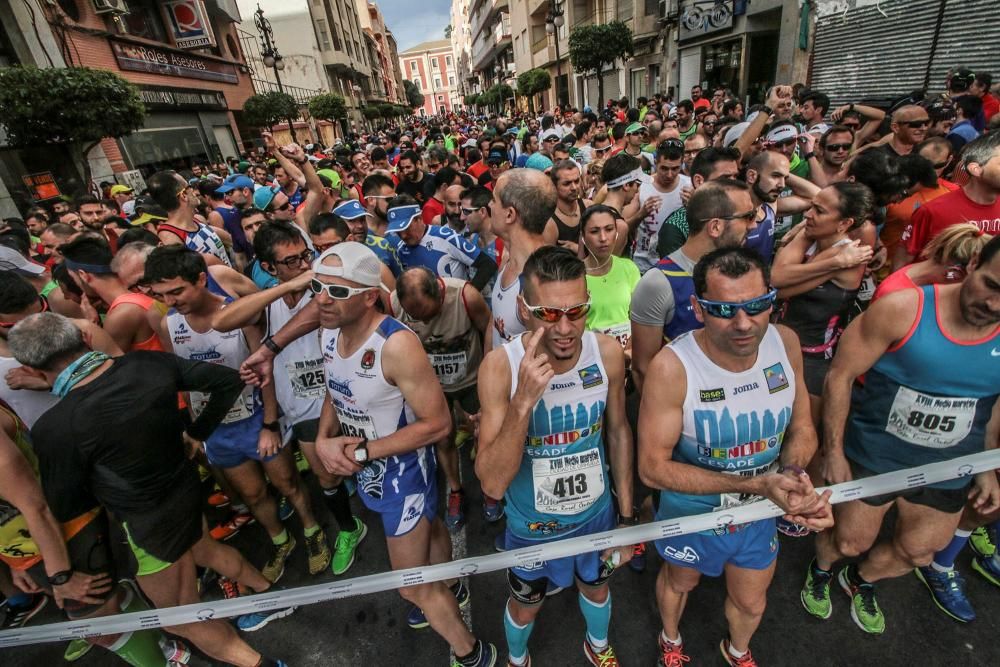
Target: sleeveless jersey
369	407
450	339
610	296
566	232
761	238
299	381
682	286
215	347
145	302
925	400
17	549
733	422
506	322
385	251
561	483
203	240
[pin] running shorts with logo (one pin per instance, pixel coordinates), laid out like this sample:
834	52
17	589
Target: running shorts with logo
403	488
733	423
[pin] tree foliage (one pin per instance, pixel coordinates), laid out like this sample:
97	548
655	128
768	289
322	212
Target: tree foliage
471	100
413	95
387	110
75	106
328	106
266	109
591	47
447	31
532	82
372	112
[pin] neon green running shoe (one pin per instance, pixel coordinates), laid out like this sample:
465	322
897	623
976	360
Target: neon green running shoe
864	607
76	650
346	546
815	594
981	542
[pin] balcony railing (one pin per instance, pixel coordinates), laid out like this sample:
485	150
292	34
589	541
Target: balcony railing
301	95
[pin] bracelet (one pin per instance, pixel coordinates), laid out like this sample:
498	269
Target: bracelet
60	578
785	467
271	345
766	109
808	156
628	520
272	426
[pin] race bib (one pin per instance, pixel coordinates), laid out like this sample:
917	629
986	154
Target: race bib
568	484
620	332
242	408
450	367
356	424
729	500
930	421
307	378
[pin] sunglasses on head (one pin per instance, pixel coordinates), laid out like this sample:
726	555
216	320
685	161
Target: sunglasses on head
552	314
727	310
339	292
838	147
916	124
670	143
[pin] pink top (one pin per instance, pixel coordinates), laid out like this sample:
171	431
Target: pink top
897	280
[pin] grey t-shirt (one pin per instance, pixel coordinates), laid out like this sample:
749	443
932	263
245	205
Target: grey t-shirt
653	300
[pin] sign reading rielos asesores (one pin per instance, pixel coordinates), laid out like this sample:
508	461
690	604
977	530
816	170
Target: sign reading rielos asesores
144	58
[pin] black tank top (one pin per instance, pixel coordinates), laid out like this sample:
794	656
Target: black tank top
567	232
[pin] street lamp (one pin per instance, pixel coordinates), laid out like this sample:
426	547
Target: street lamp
270	56
553	21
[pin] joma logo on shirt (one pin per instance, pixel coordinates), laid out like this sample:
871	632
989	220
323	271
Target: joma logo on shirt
743	388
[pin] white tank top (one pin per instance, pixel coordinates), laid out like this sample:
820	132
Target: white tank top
215	347
299	380
506	323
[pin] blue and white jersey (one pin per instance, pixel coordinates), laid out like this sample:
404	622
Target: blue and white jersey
734	423
561	483
369	407
385	250
207	242
927	399
442	250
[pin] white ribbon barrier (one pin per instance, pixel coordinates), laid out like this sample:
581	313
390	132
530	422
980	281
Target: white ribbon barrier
387	581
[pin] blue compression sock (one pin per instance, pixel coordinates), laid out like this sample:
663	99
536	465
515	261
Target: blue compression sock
517	637
598	617
945	559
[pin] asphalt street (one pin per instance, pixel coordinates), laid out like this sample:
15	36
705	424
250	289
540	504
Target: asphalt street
372	629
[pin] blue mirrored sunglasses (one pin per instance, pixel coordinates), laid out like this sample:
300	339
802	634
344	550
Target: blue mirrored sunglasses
727	309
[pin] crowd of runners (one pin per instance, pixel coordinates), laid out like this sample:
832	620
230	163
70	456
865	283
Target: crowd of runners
635	313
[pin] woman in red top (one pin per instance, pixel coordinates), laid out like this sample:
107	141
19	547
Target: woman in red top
943	260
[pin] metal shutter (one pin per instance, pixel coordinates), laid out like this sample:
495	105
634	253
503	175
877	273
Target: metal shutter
970	36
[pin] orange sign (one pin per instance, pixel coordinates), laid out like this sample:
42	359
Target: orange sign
42	185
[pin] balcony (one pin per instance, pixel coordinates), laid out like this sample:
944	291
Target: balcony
491	43
487	10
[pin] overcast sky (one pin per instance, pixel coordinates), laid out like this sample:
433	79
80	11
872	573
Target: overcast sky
411	21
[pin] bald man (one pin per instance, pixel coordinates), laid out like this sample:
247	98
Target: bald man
909	127
452	215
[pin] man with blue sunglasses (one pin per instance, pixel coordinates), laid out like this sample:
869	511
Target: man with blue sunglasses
725	422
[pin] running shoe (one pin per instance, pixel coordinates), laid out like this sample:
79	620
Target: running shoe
218	499
462	435
864	607
948	592
492	509
638	562
982	542
416	619
19	615
228	528
791	529
174	652
815	594
301	464
207	577
487	656
455	516
603	658
511	663
745	661
987	567
285	509
346	546
230	588
275	566
76	649
257	620
671	654
318	551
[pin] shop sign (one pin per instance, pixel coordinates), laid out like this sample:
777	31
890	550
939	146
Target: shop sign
189	23
157	60
704	17
165	98
42	185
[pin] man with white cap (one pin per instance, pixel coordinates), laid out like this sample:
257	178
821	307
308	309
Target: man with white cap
440	249
386	407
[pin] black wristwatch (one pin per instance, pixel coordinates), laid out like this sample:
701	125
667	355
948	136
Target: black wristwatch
628	520
767	110
272	426
60	578
808	156
271	345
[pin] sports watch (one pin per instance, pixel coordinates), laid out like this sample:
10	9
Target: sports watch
272	426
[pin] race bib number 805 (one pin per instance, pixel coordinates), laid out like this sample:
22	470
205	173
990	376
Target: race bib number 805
930	421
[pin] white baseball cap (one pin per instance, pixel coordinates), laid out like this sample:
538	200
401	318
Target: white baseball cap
12	260
357	263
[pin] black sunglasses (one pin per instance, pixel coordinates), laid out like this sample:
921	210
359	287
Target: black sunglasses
283	207
838	147
916	124
670	143
304	257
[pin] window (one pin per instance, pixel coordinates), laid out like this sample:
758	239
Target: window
350	52
413	65
437	83
416	82
651	7
324	36
447	60
451	81
434	63
143	20
440	98
625	10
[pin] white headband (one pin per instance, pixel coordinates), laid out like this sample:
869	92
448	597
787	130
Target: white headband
625	179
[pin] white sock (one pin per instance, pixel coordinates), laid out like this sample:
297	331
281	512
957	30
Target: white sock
736	654
940	568
596	645
522	660
962	533
668	640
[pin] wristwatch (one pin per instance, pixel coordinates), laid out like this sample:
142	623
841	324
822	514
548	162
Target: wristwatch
60	578
766	109
628	520
361	452
272	426
808	156
271	345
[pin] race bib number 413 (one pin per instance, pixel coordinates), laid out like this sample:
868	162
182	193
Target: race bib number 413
568	484
930	421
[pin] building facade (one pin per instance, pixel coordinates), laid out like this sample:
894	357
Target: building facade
193	79
431	67
492	57
461	46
